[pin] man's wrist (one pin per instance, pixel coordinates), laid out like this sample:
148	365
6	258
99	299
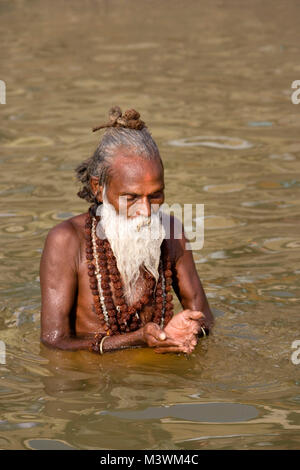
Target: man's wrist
204	329
102	343
95	343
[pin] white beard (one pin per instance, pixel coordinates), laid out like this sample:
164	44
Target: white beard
135	243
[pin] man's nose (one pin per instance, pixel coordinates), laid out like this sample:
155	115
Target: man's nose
144	208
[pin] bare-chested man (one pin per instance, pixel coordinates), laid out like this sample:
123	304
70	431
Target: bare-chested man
126	164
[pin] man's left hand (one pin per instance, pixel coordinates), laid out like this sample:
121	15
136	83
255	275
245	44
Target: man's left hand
184	328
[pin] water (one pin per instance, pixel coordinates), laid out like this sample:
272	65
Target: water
216	73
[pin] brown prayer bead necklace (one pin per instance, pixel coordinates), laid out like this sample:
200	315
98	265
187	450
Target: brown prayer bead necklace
117	317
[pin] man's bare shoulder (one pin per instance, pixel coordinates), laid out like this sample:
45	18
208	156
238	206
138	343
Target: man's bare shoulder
173	227
174	236
67	234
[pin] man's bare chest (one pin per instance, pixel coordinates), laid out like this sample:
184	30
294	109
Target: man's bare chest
86	299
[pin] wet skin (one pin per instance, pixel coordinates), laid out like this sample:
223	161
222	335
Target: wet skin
67	317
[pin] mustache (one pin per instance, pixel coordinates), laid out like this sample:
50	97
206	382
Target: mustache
140	226
135	242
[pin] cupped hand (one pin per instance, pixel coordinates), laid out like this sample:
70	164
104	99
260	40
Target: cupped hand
187	322
184	328
157	338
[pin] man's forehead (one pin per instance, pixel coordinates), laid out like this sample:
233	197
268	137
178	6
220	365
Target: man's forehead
130	170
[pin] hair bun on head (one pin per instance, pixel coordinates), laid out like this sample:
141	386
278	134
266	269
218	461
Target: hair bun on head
115	113
130	119
131	114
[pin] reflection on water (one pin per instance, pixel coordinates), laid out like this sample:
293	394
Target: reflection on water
47	444
203	412
213	84
219	142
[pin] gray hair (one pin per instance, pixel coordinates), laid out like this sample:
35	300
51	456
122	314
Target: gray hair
99	165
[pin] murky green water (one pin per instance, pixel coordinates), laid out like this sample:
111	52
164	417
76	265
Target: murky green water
217	74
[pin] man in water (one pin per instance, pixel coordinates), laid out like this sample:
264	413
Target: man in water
105	282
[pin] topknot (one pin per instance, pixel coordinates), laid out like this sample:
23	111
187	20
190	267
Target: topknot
130	119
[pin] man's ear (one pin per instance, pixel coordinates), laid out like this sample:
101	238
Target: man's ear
96	188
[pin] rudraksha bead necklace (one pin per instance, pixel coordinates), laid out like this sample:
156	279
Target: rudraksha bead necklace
118	317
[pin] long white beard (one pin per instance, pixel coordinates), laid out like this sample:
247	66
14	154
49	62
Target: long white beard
135	243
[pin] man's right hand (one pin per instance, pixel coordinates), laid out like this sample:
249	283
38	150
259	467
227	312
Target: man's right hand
155	337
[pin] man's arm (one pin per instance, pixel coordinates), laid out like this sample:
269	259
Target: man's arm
187	284
58	279
186	325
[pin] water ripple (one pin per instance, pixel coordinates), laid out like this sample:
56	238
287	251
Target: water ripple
219	142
